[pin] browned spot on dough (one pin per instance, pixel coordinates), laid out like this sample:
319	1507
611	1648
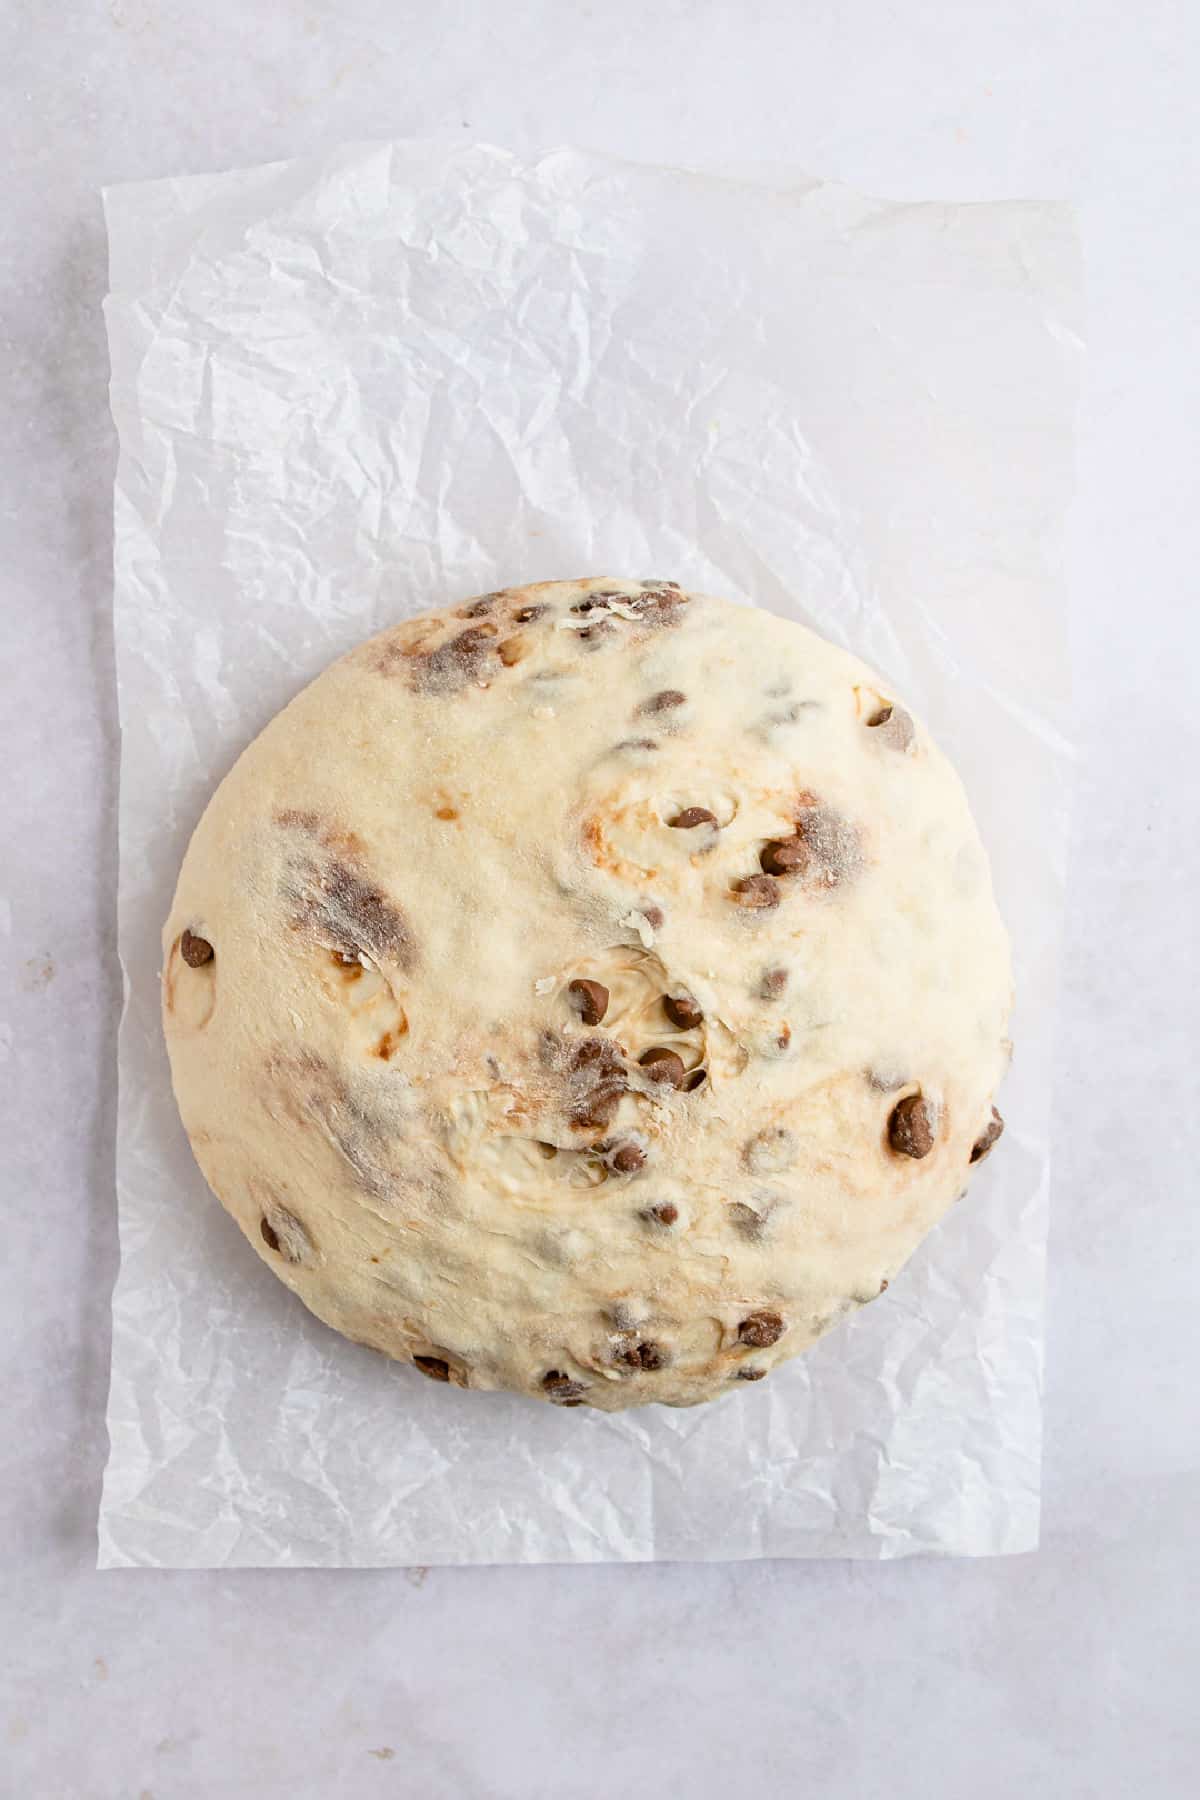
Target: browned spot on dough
331	836
348	967
389	1043
294	818
447	812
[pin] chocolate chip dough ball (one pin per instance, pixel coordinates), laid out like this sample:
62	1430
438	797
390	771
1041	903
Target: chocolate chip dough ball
593	990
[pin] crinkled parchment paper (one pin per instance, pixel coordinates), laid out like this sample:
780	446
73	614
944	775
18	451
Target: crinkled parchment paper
352	387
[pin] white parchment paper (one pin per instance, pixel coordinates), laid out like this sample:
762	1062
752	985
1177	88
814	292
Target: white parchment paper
353	387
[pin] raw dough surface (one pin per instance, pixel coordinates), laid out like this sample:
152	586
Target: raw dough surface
593	990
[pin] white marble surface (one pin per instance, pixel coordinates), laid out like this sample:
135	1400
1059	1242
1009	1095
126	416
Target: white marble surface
1066	1673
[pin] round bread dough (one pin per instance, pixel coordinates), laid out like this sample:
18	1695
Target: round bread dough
593	990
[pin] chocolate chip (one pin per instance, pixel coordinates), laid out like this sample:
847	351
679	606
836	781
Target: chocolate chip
195	951
756	892
910	1128
983	1144
591	603
682	1011
664	1067
653	916
480	608
665	1213
642	1356
760	1330
596	1082
590	1000
696	1079
690	817
663	701
286	1235
785	856
772	984
627	1159
750	1374
433	1366
527	614
895	727
562	1387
